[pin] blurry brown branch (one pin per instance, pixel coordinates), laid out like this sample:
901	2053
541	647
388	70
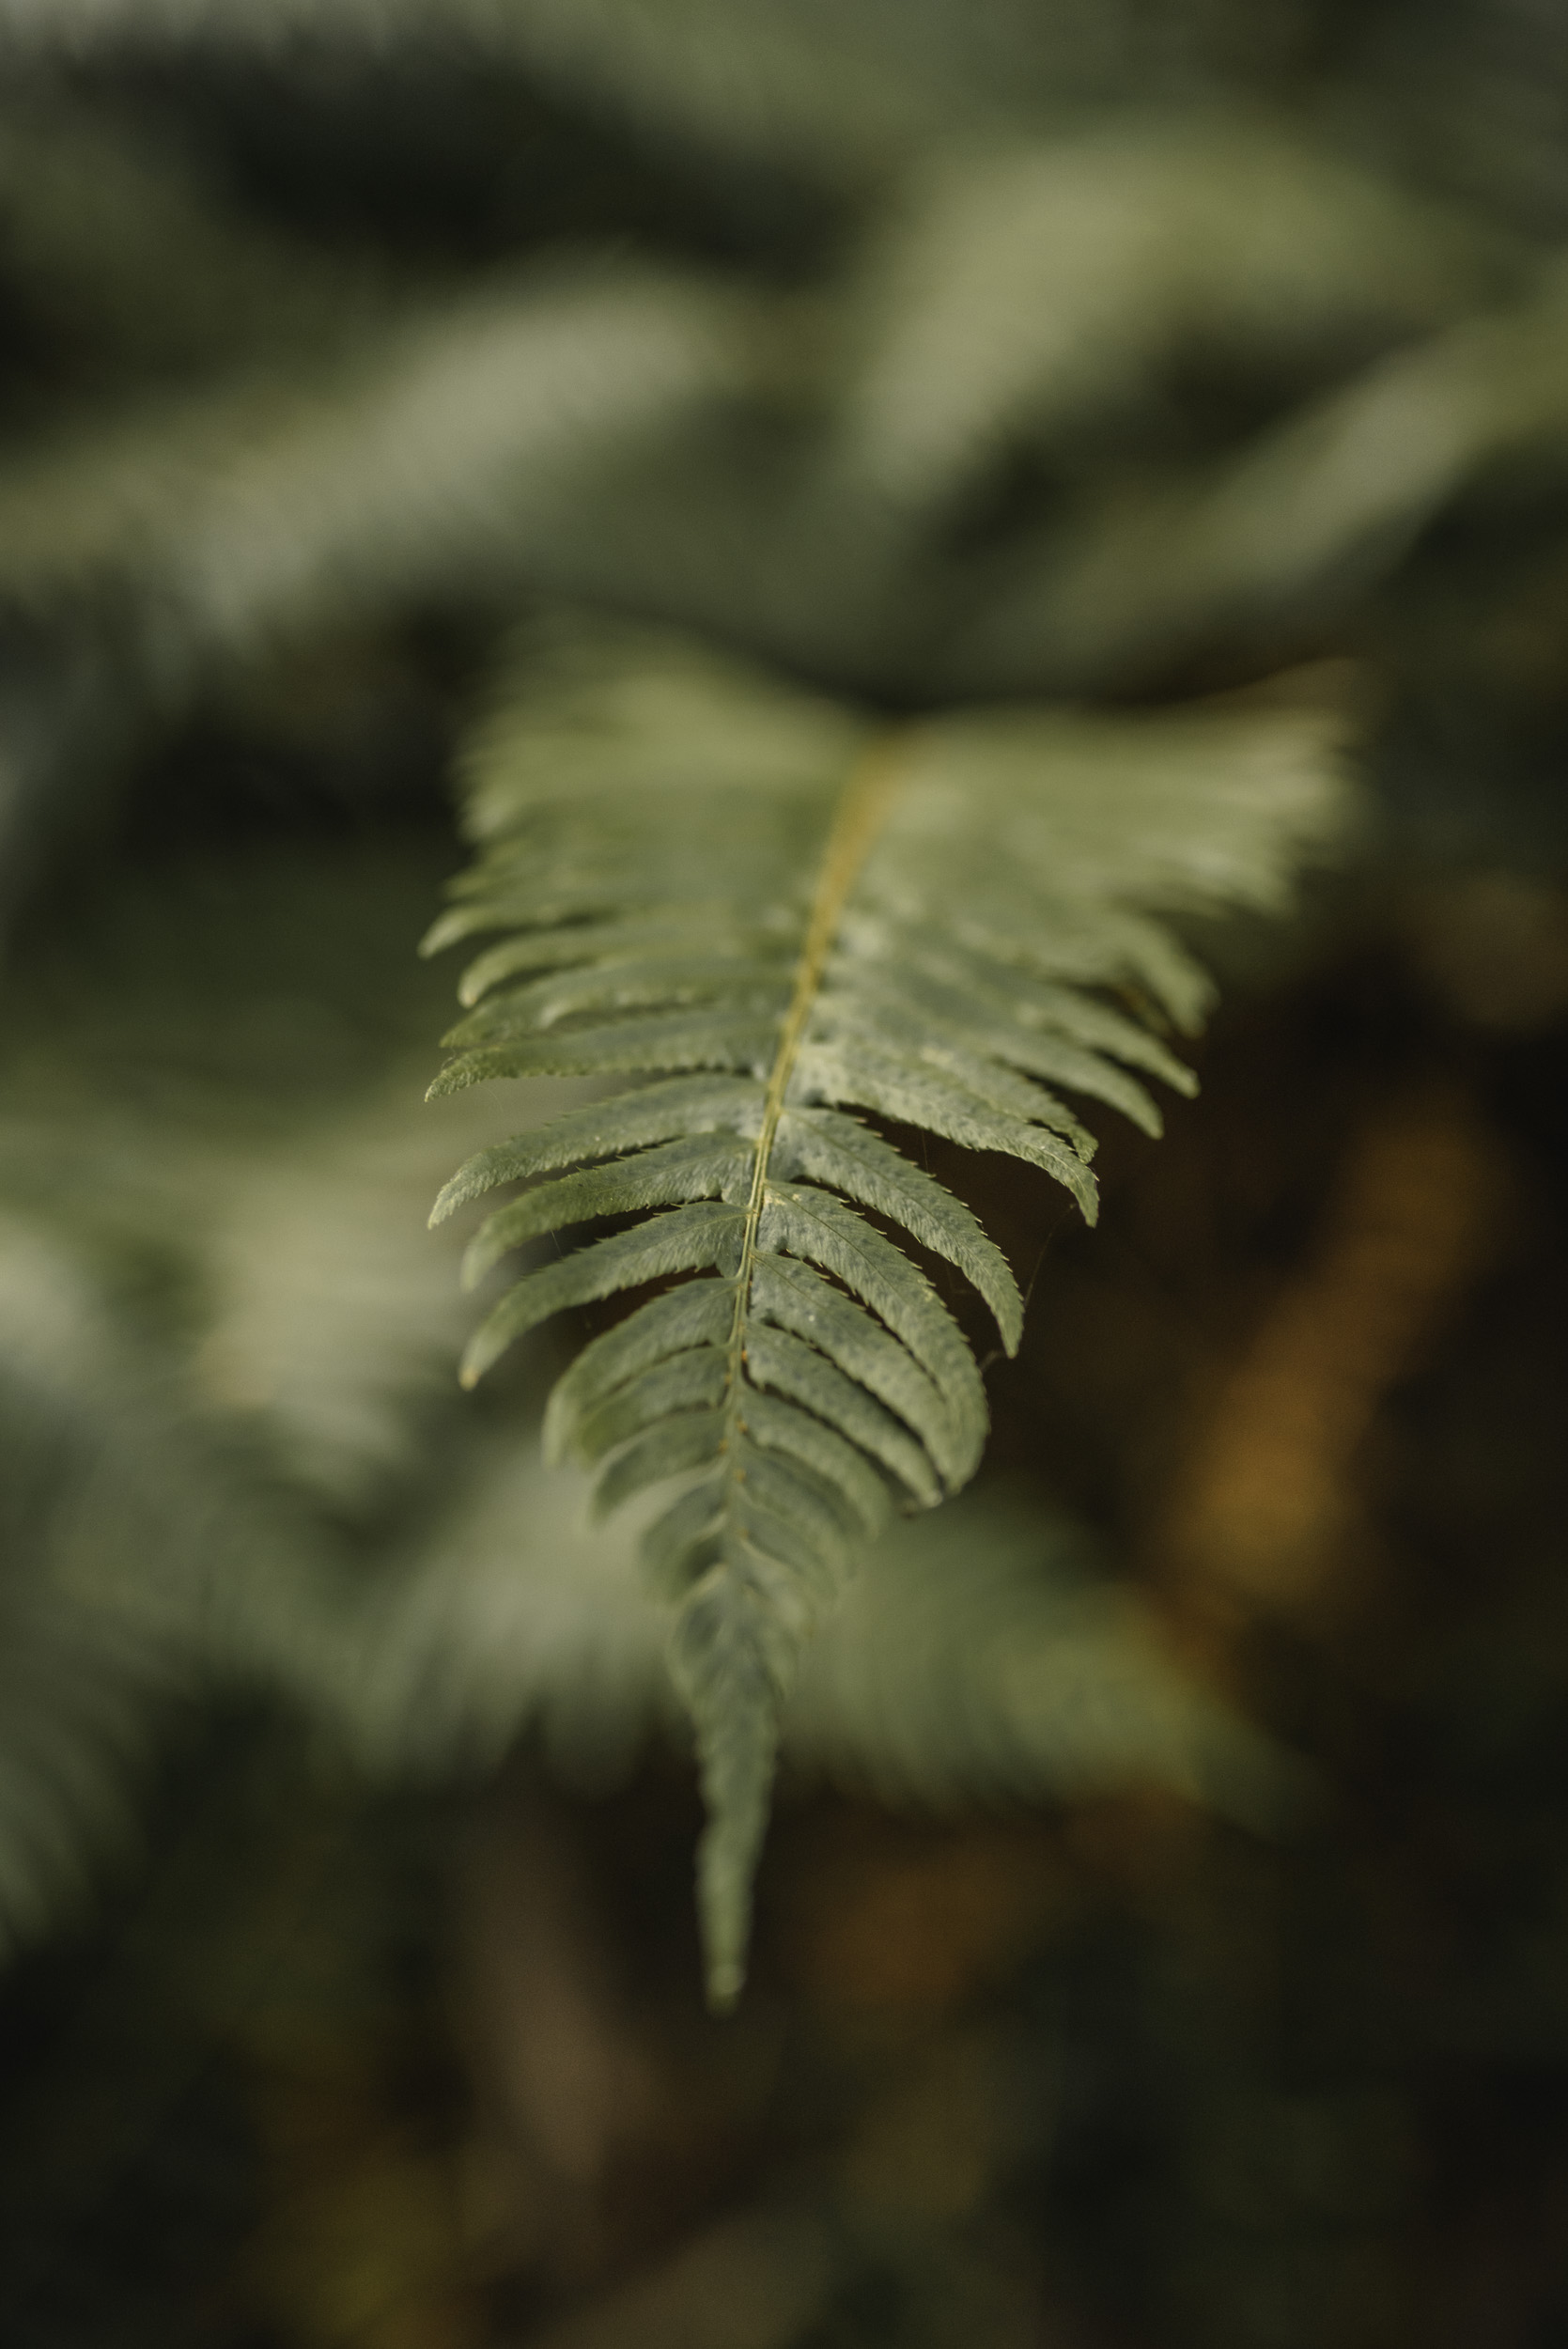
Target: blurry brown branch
1266	1513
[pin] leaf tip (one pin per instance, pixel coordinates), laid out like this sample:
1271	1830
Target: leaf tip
1007	1312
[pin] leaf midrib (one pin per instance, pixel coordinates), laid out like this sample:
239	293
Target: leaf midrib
868	794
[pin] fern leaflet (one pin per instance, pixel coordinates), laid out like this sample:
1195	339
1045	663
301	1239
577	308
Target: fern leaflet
784	916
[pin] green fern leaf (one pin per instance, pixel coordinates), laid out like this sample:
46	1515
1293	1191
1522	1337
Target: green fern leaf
1020	285
987	1654
907	920
140	1554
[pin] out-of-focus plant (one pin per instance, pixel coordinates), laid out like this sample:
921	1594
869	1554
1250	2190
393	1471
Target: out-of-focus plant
855	397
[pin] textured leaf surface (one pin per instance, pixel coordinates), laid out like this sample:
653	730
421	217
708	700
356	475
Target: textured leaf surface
930	926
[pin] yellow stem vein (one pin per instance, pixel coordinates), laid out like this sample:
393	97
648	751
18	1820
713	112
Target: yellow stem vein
868	793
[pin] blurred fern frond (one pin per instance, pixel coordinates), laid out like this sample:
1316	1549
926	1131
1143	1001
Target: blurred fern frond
223	1327
249	440
1046	290
783	914
978	1654
1295	524
261	506
142	1553
79	1685
454	452
981	1654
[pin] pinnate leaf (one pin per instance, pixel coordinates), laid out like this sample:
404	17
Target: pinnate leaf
784	916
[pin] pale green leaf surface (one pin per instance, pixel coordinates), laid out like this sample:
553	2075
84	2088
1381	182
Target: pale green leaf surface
687	1440
617	984
914	1092
671	1174
774	1359
656	1112
698	1314
689	1382
797	1299
984	1026
683	1239
825	1534
708	925
782	1426
807	1221
1058	1010
840	1152
678	1040
922	1038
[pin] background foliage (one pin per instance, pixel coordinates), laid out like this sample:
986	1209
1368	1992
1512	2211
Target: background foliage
1163	1938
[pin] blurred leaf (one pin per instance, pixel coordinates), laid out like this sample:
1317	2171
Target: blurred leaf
281	504
1050	292
1299	525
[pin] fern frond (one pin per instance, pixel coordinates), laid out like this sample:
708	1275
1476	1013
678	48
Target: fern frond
437	457
1295	524
826	918
133	1552
234	1041
218	1310
1025	290
461	1641
984	1655
329	1332
457	451
980	1654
